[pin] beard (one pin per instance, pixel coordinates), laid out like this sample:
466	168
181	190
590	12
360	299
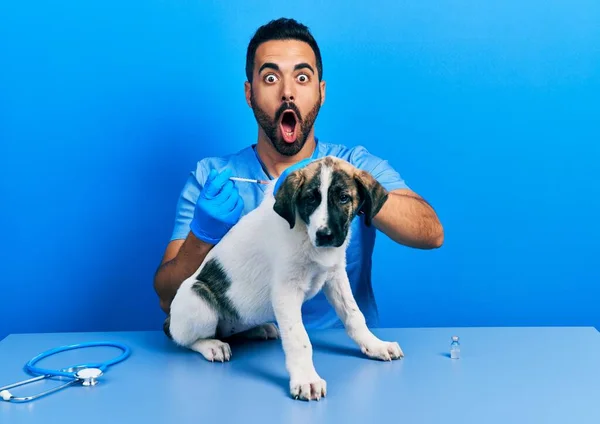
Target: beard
271	125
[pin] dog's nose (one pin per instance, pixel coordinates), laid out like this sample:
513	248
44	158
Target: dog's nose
324	236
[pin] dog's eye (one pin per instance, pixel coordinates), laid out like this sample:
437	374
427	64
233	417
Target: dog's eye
311	197
344	198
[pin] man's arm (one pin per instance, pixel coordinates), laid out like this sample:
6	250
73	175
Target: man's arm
181	259
409	220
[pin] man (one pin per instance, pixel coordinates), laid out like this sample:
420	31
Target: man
285	89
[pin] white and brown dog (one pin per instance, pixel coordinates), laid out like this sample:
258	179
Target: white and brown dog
266	267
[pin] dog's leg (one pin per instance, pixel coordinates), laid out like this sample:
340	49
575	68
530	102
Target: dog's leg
193	324
339	294
305	383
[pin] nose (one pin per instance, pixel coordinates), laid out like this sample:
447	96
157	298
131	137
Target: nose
287	94
324	236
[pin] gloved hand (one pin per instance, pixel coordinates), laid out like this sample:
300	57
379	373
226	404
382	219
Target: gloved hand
288	171
218	208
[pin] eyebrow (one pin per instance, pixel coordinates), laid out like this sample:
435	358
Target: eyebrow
304	65
269	65
274	66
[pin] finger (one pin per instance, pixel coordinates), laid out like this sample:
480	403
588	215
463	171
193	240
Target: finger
211	176
236	212
218	185
209	180
229	204
218	181
209	190
221	179
222	196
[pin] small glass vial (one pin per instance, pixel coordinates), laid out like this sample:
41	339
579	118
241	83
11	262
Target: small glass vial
455	348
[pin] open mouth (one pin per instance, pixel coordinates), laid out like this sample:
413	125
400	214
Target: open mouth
289	126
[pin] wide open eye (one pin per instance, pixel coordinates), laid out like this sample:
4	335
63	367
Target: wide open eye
344	198
270	78
303	78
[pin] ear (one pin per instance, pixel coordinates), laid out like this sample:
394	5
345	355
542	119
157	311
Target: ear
248	93
372	195
287	196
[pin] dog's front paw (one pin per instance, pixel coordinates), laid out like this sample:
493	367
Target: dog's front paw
213	350
311	388
386	351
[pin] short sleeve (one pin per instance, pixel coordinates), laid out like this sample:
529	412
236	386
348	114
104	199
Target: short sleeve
186	203
379	168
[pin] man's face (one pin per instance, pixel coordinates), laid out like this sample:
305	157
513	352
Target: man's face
285	94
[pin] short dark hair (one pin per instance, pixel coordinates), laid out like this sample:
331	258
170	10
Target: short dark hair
281	29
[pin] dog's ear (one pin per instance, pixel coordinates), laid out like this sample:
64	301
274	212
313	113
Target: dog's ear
372	195
287	195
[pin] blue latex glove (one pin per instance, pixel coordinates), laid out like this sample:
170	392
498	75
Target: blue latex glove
218	208
289	170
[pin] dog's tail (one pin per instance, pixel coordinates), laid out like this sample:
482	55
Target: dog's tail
166	327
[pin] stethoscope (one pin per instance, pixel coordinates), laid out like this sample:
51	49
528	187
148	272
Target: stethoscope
86	374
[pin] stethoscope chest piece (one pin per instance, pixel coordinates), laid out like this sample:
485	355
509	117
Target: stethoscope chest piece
89	376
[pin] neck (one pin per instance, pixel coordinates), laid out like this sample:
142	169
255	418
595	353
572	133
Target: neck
275	162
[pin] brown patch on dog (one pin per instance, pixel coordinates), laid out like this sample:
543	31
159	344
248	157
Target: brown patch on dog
343	190
367	193
372	194
313	169
287	196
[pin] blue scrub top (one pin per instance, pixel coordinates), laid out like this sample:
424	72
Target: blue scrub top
316	312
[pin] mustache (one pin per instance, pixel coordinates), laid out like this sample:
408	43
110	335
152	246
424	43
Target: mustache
285	106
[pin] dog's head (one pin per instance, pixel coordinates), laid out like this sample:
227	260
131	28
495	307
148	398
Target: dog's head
326	195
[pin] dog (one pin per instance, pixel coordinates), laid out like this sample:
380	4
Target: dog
274	259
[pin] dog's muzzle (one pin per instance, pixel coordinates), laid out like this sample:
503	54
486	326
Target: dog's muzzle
325	237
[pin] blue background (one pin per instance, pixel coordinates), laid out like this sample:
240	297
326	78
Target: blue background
487	109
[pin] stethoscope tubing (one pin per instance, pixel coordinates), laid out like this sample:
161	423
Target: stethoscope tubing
72	371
